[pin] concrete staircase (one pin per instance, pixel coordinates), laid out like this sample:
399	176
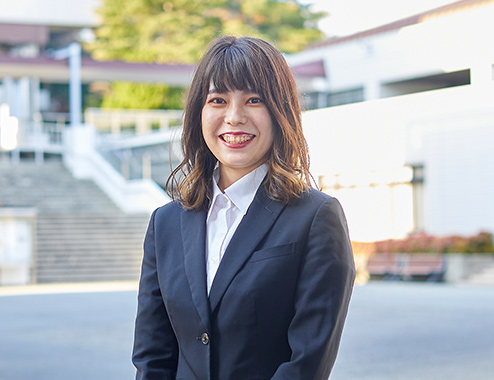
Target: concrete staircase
81	234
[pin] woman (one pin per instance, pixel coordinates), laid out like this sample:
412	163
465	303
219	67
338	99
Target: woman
248	273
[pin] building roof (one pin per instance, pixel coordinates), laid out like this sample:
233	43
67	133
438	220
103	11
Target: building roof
309	70
21	33
412	20
50	70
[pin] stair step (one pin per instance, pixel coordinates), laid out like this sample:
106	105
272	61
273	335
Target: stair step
93	266
81	235
67	278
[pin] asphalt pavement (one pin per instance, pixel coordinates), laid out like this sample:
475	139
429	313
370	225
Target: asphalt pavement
394	331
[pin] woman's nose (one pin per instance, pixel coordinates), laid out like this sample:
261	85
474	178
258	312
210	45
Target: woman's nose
235	114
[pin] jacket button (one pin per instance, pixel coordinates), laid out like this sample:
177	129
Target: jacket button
205	338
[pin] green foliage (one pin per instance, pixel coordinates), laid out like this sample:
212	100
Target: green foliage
178	31
142	96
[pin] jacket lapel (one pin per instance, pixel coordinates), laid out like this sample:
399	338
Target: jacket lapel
193	225
260	216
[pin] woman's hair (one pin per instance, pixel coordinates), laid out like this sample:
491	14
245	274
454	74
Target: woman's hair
243	63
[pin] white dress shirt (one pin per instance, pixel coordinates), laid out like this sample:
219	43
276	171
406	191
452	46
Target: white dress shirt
225	213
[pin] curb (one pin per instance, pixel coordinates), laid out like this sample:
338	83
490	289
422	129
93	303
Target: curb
86	287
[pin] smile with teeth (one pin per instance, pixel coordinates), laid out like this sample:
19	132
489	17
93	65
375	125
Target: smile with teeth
236	139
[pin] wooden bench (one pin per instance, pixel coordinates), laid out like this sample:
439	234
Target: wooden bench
423	266
382	266
406	267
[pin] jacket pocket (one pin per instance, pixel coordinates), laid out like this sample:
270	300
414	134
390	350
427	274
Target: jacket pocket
273	252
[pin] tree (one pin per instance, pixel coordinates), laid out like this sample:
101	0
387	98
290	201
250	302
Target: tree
178	31
142	96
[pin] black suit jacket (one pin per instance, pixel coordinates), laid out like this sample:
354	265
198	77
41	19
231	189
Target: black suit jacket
277	304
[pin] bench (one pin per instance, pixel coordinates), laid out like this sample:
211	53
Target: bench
407	267
382	266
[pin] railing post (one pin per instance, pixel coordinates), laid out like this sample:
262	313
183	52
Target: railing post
38	136
115	124
146	166
142	125
125	168
164	123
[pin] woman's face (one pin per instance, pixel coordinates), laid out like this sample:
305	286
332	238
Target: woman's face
238	130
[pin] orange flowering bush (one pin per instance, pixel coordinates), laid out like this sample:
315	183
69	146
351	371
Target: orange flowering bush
425	243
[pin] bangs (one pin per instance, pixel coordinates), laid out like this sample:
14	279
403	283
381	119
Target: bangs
232	69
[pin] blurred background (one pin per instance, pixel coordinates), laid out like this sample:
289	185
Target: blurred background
399	118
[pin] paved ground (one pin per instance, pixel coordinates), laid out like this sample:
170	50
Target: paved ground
394	331
398	331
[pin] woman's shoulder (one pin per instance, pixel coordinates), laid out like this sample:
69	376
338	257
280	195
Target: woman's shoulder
168	210
317	196
172	209
314	199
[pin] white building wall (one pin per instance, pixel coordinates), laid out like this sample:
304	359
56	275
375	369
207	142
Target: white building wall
459	172
357	151
361	153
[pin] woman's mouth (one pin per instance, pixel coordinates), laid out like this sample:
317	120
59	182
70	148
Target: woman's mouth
231	138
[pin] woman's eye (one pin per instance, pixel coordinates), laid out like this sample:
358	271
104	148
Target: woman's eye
255	100
217	101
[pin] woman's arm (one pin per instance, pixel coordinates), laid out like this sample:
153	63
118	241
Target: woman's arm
323	295
155	346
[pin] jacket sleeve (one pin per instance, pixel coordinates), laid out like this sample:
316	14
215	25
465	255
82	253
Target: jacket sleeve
155	346
323	295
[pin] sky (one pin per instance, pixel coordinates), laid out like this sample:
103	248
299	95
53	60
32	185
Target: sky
351	16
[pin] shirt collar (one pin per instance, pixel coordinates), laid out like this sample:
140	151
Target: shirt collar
242	192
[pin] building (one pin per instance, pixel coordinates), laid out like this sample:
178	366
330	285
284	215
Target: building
36	72
406	142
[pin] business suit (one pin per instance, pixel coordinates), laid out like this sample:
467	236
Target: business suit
277	304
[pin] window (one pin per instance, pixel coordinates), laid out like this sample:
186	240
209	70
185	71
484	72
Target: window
345	97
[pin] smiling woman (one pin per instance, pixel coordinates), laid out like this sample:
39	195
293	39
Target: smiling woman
248	273
258	71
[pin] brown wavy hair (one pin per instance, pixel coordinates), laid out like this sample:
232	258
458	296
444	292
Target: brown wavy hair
243	63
